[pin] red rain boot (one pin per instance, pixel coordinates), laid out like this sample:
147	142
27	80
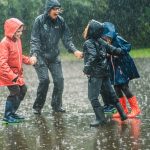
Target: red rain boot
135	110
122	101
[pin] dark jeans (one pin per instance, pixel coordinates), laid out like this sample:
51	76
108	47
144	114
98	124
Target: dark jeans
17	91
17	94
95	85
55	69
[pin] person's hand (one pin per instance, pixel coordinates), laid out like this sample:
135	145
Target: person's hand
78	54
33	60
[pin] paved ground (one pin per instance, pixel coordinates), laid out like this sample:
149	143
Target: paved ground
71	131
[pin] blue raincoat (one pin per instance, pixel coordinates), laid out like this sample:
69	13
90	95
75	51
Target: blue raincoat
122	68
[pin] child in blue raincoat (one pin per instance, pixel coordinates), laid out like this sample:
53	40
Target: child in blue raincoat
122	70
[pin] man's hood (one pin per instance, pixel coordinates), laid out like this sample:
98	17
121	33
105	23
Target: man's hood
51	4
11	26
95	29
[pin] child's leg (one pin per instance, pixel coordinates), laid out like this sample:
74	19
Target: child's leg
23	91
10	103
108	108
118	90
94	86
126	90
105	97
122	100
19	98
135	110
114	100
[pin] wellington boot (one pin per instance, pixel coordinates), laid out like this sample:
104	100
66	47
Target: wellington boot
109	109
16	116
116	115
100	117
97	123
121	112
10	119
122	101
60	110
36	111
135	110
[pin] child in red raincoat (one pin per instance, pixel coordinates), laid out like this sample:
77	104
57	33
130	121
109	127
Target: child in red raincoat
11	71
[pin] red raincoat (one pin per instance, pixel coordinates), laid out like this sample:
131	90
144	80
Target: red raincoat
11	57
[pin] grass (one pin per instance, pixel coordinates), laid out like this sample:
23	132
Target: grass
135	53
68	57
140	53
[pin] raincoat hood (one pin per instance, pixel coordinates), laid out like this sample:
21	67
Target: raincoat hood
11	26
51	4
95	29
109	30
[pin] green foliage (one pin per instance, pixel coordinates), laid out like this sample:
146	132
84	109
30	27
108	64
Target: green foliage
135	53
77	14
131	17
26	11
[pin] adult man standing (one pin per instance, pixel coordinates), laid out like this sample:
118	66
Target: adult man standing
47	30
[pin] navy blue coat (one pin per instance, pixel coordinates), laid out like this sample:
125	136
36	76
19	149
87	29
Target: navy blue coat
122	68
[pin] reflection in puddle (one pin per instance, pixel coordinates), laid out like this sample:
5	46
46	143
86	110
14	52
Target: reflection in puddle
71	131
119	135
14	138
50	138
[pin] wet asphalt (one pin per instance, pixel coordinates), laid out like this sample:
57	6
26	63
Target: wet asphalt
71	130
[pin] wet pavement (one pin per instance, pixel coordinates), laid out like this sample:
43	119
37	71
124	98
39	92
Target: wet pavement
71	131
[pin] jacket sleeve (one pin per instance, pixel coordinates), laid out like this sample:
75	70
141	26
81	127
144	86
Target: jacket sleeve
26	60
122	43
4	67
67	39
111	49
35	43
89	56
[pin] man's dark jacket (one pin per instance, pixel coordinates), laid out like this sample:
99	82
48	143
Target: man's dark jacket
46	34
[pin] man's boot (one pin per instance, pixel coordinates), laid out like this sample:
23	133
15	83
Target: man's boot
120	111
122	101
135	110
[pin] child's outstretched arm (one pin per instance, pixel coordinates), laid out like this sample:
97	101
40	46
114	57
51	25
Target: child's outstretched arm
111	49
29	60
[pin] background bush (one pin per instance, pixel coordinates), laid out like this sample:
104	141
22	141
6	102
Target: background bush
131	17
